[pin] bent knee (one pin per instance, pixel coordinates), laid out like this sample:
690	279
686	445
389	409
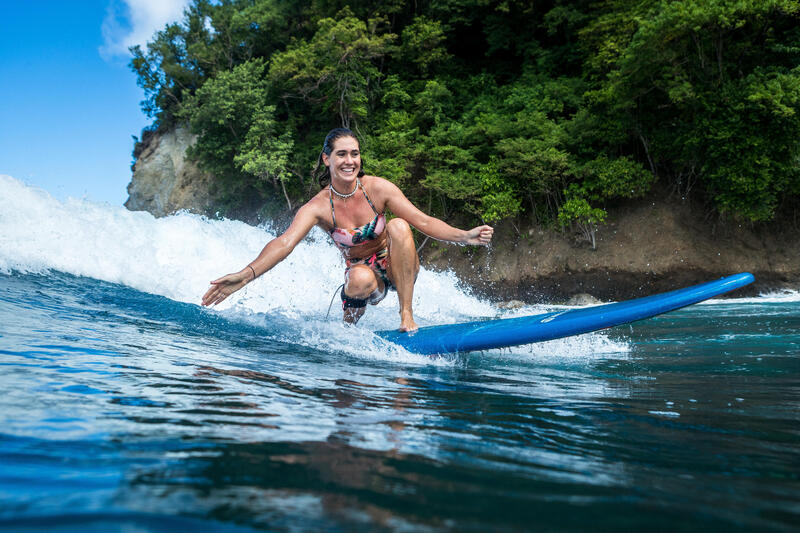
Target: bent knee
398	227
360	282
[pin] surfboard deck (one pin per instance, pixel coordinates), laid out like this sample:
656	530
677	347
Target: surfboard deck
504	332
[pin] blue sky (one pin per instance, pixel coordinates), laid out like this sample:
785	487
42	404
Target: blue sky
69	104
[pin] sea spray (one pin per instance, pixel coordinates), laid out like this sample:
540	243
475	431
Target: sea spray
177	256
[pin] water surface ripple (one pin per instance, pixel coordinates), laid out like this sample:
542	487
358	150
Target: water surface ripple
126	409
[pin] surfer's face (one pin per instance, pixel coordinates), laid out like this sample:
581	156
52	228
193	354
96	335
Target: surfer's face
344	161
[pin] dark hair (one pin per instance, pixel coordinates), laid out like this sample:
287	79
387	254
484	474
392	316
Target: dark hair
327	147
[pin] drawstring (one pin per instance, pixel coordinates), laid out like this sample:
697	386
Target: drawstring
334	297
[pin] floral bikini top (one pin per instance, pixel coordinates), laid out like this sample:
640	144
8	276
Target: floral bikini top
347	238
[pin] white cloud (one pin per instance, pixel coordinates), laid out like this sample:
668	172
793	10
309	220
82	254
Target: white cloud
132	22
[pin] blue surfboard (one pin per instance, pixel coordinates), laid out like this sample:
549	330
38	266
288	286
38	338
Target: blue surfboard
504	332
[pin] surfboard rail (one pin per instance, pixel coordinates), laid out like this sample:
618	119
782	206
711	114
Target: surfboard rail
505	332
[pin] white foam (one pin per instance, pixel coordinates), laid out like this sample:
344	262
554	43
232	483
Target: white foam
785	296
580	349
177	256
667	414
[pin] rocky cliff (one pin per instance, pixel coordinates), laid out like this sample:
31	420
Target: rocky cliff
648	246
165	181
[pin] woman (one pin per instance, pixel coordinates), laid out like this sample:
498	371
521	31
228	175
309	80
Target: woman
379	255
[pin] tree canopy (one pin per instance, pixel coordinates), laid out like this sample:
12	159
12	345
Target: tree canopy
546	110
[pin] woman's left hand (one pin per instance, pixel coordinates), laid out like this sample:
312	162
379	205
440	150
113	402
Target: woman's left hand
482	235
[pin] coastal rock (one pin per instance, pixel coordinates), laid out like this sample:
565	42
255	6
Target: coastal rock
511	304
583	299
165	181
648	246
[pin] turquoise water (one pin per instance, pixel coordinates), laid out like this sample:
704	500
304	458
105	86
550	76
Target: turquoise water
127	407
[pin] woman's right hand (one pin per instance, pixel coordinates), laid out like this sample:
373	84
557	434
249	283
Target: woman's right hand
225	286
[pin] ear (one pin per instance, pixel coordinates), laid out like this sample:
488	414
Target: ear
325	159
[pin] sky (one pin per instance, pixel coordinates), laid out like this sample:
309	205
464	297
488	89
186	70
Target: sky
69	103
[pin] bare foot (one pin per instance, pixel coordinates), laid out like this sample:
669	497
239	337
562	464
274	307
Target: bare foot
407	321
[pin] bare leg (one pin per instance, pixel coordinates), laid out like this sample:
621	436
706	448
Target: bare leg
352	314
361	281
403	268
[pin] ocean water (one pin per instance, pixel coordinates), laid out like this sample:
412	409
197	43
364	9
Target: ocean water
125	406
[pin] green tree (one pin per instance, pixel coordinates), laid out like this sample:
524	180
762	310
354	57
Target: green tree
500	110
266	154
577	211
707	91
163	72
222	113
599	181
336	70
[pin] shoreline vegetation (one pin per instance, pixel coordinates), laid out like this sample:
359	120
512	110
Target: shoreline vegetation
654	244
619	147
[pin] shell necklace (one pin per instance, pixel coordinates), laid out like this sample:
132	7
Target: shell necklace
348	195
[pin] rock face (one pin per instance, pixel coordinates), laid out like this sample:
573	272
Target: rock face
647	247
165	181
583	299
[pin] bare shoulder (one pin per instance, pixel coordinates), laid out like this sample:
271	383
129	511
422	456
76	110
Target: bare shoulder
375	181
379	187
389	196
315	208
318	200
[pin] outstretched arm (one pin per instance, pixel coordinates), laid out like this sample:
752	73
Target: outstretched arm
401	206
273	253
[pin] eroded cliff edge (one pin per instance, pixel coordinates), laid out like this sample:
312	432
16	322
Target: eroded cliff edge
648	246
165	180
645	248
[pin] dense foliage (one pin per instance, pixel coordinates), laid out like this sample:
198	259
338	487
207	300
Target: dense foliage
493	109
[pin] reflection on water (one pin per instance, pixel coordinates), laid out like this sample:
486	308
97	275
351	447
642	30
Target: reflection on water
124	409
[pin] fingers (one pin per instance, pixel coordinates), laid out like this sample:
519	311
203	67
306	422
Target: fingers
220	298
220	289
210	294
485	234
214	295
211	297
